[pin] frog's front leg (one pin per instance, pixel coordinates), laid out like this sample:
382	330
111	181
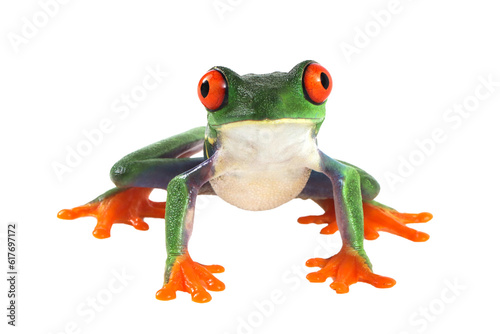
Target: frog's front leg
181	272
351	264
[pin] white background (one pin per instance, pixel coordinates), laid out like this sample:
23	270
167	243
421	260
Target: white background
64	79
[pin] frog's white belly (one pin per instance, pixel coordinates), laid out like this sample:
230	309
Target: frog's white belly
263	164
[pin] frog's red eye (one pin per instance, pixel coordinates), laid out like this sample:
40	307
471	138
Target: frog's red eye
212	90
317	83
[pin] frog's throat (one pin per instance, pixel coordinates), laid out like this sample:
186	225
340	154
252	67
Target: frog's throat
264	164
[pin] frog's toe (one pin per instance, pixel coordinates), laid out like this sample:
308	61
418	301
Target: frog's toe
346	268
380	218
138	223
153	209
192	277
102	229
326	218
330	228
370	233
166	293
101	233
87	210
130	207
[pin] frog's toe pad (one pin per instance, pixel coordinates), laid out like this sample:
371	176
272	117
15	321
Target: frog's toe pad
346	268
191	277
101	233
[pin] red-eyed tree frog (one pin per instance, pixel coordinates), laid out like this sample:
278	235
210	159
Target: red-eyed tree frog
260	151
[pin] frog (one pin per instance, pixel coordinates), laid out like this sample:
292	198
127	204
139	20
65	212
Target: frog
259	151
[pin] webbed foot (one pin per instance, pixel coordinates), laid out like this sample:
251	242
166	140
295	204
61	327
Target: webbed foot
346	268
128	206
377	217
189	276
381	218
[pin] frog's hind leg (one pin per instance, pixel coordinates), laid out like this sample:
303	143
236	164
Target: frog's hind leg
319	189
135	177
118	205
377	217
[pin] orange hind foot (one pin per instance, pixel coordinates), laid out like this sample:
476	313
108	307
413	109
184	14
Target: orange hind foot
129	207
328	217
376	218
346	268
192	277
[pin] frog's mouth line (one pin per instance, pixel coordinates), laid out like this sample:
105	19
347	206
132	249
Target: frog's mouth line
269	121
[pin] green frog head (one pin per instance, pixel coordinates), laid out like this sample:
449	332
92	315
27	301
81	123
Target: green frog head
298	94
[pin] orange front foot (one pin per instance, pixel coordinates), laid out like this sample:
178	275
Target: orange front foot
376	218
192	277
346	268
128	206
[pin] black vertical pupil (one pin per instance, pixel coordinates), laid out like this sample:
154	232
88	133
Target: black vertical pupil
205	87
325	82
